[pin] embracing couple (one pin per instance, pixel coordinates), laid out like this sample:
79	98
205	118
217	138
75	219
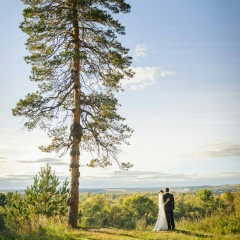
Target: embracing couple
165	219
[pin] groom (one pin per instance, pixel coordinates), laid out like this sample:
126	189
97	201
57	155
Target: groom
169	207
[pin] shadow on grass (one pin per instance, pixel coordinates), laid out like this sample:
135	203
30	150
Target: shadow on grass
109	231
189	233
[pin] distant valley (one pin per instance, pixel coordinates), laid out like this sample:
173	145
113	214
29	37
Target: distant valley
188	189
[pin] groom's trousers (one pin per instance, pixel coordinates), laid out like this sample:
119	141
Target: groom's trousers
170	219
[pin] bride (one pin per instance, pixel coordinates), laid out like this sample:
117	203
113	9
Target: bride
161	223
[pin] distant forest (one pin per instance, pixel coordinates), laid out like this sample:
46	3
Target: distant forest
190	189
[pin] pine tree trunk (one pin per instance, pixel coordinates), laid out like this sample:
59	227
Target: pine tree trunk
76	130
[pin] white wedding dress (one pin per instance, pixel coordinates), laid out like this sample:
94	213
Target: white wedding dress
161	223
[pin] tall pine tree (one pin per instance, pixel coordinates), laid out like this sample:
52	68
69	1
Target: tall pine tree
78	64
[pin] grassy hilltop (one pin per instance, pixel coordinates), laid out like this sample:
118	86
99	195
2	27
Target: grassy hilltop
62	233
41	213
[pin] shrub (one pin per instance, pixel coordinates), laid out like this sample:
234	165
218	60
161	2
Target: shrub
45	197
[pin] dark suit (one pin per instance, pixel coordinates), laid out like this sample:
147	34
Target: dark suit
169	207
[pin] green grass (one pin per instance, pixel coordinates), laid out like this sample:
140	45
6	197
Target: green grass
112	234
62	233
42	228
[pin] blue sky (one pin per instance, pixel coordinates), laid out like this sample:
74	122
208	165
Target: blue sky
183	103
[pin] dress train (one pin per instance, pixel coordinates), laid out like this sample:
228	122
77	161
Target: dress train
161	223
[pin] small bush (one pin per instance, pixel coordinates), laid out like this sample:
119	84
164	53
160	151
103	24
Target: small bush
141	224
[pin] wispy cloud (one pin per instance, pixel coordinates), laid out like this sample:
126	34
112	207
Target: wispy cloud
3	159
157	179
4	146
108	178
51	161
144	77
17	177
139	176
224	149
140	52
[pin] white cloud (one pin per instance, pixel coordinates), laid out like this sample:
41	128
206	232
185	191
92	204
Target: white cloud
95	178
140	52
224	149
4	146
144	77
49	160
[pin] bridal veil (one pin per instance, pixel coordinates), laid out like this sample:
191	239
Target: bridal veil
161	223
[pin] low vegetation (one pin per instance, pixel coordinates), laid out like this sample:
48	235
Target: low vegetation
41	214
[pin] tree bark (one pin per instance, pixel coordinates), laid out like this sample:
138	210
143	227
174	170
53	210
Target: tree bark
76	130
